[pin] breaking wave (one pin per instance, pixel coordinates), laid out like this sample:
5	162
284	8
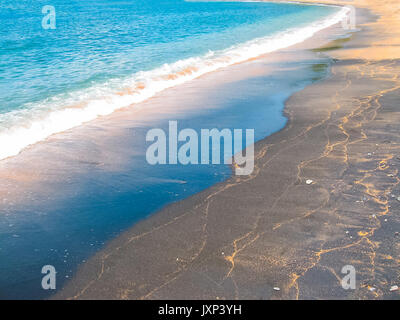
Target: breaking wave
21	128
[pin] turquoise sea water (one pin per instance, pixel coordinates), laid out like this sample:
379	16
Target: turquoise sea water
104	55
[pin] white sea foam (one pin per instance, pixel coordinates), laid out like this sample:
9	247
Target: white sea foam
20	129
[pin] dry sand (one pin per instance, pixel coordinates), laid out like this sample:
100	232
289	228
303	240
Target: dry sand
242	238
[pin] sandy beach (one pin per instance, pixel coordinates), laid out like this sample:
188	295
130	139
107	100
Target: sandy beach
324	194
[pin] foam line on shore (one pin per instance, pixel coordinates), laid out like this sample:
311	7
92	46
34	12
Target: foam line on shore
23	128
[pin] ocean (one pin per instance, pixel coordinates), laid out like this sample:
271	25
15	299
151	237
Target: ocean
103	56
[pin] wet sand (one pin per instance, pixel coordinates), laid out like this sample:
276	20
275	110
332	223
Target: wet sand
241	238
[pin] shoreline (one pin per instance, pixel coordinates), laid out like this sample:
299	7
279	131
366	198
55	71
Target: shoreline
70	116
90	188
241	238
133	244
